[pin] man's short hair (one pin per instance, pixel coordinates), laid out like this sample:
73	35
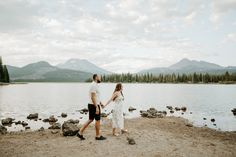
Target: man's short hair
94	76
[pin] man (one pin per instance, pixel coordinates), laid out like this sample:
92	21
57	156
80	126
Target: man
94	107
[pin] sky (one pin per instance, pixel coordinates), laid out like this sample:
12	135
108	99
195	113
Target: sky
118	35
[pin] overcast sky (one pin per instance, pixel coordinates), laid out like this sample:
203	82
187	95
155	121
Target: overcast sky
120	36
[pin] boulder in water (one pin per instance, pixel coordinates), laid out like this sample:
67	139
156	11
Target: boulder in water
7	121
18	122
46	120
213	120
24	123
152	111
63	115
33	116
144	113
131	109
184	109
52	119
177	109
234	111
169	107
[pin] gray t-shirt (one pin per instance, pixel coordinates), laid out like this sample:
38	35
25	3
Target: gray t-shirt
94	88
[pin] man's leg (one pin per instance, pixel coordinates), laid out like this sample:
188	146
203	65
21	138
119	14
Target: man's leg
97	127
85	126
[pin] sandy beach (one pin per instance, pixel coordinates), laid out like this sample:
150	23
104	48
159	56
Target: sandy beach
158	137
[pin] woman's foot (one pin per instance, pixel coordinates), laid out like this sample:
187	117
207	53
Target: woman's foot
124	131
115	134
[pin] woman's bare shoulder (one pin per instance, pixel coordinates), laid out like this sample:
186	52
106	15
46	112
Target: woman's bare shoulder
116	93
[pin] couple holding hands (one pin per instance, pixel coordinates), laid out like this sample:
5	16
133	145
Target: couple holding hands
95	106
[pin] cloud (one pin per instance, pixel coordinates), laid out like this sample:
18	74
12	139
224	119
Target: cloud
231	37
125	35
220	8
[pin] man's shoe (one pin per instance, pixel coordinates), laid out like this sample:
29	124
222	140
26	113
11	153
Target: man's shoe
80	136
101	138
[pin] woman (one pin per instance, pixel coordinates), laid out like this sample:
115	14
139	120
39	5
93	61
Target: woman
117	112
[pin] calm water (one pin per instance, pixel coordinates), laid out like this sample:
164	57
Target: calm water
209	101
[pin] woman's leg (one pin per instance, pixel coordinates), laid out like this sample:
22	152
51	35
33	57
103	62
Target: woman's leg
114	131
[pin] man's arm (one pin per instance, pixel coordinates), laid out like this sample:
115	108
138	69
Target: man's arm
93	97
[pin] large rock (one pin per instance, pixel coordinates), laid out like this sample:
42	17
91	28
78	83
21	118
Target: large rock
55	126
69	129
131	109
3	130
7	121
33	116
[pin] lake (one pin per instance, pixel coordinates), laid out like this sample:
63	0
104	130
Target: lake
204	101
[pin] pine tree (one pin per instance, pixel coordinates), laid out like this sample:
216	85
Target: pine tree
1	71
5	74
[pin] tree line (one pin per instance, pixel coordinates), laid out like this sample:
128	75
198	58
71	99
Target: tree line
171	78
4	75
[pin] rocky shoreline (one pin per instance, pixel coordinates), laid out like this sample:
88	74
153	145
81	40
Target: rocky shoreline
54	124
153	137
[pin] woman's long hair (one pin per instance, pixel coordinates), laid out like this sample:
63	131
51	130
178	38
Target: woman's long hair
118	88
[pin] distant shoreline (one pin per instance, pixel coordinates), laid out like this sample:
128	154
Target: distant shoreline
4	84
221	83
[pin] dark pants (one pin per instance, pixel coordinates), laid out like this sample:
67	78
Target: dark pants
92	112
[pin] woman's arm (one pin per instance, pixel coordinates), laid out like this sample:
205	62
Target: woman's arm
114	95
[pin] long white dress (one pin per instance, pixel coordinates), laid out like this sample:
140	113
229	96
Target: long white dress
117	114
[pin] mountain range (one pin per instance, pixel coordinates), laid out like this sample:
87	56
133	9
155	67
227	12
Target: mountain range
82	65
44	72
190	66
79	70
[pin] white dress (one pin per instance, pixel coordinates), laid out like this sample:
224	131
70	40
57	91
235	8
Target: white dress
117	114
